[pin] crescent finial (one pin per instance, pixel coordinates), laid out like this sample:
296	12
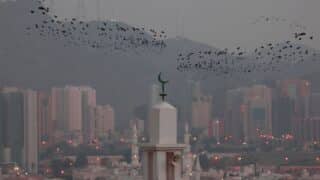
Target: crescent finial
162	94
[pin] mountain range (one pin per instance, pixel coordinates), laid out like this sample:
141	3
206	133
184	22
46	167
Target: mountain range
121	78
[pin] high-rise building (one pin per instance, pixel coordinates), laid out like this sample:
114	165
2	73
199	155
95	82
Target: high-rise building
307	130
248	113
236	114
201	108
298	91
104	120
283	115
19	128
216	129
89	101
12	125
73	109
201	111
30	150
46	125
58	109
259	103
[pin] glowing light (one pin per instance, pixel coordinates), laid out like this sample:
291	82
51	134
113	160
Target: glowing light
216	158
16	168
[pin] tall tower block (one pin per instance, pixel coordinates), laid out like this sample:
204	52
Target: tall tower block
162	156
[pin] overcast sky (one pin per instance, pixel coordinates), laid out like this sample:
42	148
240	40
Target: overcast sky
221	23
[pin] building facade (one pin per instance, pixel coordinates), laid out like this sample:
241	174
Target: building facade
104	120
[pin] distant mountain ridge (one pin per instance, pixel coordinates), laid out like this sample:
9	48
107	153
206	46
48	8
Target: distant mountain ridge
121	79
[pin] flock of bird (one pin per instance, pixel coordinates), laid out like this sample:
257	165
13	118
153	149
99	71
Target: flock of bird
118	36
269	57
98	35
294	25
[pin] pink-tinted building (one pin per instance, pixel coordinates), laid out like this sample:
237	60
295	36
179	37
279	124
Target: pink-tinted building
57	109
201	111
306	130
216	129
201	108
73	108
104	120
248	113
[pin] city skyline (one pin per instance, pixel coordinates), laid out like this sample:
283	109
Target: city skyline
159	90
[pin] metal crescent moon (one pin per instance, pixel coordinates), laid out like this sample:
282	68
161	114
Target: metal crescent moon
160	79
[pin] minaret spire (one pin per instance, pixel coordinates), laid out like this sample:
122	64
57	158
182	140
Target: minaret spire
187	155
163	83
162	155
134	147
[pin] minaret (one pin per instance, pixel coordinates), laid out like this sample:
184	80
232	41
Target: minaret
162	156
134	148
187	155
197	169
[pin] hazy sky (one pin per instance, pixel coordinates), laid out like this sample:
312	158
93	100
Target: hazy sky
221	23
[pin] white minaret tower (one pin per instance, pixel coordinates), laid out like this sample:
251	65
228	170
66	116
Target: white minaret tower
162	156
187	155
197	169
134	148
